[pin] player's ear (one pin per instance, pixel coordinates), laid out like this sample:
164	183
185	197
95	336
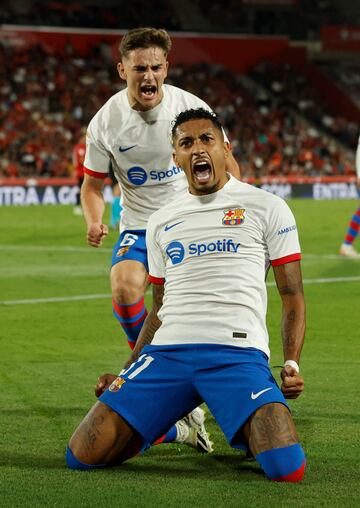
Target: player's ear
176	160
121	70
227	149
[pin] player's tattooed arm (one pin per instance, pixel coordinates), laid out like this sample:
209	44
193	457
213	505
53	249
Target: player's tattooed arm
151	324
289	282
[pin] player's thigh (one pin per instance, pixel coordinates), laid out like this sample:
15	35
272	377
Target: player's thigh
235	384
271	426
154	392
102	436
129	266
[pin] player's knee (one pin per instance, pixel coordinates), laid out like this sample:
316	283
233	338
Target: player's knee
75	464
126	290
285	464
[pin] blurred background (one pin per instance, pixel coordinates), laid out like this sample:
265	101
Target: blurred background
284	76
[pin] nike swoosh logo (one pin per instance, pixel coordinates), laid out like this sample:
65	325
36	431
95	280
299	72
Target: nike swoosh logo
121	149
256	395
167	227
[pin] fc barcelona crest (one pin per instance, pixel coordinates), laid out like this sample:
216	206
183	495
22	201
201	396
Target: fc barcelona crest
116	384
122	251
234	217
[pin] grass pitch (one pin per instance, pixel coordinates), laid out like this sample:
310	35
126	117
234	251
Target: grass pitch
57	334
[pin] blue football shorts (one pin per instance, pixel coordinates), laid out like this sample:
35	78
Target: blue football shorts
167	382
131	245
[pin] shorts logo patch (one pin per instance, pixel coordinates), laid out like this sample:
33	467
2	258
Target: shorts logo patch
254	396
234	217
116	384
122	251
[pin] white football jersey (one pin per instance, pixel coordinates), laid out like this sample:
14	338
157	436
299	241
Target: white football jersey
138	144
213	253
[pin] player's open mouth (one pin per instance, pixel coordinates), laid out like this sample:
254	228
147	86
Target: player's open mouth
201	171
148	91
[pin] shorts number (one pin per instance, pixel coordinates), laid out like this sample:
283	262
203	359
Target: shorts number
129	239
147	359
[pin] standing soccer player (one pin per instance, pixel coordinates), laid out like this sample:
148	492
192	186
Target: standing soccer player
133	131
347	249
209	252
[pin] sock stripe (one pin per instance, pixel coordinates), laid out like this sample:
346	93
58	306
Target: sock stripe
130	321
294	477
281	463
140	320
128	310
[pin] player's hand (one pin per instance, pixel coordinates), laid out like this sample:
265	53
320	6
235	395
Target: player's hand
103	383
96	233
292	383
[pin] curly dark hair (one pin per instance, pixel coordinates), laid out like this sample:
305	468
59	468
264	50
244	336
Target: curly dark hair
144	38
195	114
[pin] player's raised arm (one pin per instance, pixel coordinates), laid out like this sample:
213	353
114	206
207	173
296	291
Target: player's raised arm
289	283
93	208
151	324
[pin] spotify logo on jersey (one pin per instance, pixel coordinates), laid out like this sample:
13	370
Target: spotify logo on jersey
137	175
176	252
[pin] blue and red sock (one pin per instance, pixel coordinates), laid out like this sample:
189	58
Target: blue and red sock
169	437
131	317
353	229
283	464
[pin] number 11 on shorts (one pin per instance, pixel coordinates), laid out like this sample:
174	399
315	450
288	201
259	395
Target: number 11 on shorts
145	361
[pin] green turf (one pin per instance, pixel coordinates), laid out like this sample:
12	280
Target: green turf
52	353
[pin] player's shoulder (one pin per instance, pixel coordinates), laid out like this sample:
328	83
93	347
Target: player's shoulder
183	98
260	200
110	110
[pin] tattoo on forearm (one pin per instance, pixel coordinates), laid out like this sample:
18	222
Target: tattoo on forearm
293	330
151	324
271	427
291	289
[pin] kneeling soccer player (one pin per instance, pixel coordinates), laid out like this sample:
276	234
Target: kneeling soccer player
209	252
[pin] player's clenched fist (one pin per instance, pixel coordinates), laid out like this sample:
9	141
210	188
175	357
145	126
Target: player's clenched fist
103	383
95	234
292	383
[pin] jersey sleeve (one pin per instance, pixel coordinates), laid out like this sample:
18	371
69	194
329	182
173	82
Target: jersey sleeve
97	159
155	257
282	235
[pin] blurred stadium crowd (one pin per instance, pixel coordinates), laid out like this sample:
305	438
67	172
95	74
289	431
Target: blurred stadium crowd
301	19
273	116
279	123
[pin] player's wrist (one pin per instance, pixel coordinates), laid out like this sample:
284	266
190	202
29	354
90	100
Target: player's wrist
293	364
